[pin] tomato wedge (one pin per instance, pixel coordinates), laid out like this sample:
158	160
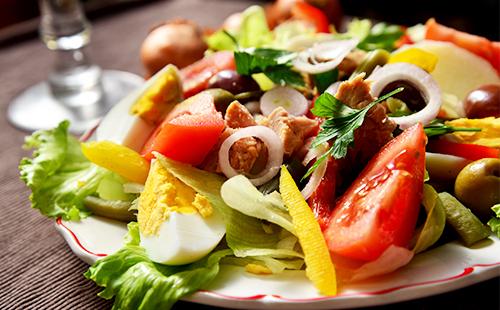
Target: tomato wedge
474	44
195	77
189	132
380	208
465	150
315	16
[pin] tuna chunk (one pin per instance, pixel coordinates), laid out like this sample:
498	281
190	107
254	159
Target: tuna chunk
245	153
238	116
292	130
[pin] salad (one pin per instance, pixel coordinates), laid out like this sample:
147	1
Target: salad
293	147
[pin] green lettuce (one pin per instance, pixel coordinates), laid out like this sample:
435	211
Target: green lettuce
138	283
58	174
494	222
378	36
253	32
240	194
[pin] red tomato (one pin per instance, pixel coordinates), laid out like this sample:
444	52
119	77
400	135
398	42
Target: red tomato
405	39
315	16
469	151
381	207
195	77
188	133
474	44
322	199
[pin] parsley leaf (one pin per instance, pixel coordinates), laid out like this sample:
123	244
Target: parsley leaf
340	125
328	106
275	64
437	128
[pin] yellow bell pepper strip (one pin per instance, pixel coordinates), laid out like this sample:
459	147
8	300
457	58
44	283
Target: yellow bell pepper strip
117	158
416	56
320	269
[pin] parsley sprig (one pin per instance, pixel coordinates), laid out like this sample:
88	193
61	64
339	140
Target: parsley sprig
275	64
341	121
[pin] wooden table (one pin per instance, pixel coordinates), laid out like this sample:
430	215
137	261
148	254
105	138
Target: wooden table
37	268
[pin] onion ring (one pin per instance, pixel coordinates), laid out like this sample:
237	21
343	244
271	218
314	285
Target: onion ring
324	56
274	147
381	77
317	174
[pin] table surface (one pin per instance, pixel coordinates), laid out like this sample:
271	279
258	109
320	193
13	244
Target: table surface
37	269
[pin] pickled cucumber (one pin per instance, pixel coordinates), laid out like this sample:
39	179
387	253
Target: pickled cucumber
113	209
464	222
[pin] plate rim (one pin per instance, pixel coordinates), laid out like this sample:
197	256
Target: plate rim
470	275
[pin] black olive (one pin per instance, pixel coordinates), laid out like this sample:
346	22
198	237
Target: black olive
233	82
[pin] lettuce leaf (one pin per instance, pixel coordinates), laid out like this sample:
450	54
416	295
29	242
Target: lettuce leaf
378	36
58	174
240	194
245	235
138	283
254	31
494	222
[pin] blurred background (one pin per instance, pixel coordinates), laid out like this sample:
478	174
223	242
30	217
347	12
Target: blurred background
19	19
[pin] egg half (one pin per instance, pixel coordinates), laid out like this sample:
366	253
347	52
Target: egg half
177	225
131	121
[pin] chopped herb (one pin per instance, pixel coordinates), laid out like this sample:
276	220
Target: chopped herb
437	128
275	64
340	124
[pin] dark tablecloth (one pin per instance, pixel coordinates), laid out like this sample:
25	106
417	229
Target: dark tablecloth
37	268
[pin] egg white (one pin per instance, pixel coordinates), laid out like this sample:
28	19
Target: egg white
184	238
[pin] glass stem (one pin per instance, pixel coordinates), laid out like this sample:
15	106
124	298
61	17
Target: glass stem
74	80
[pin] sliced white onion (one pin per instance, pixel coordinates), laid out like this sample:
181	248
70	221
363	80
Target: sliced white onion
324	56
274	148
417	77
282	96
332	89
317	174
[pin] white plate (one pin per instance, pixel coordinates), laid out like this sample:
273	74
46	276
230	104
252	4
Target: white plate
448	267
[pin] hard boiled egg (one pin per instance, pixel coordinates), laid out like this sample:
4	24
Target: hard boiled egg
133	119
177	225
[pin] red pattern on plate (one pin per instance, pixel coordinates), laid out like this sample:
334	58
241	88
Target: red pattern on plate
59	222
466	271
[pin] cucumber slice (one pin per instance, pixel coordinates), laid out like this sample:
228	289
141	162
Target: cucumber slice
464	222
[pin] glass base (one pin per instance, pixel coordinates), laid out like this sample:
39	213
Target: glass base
36	108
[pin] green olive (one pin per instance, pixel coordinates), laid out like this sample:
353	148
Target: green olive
374	58
222	98
478	186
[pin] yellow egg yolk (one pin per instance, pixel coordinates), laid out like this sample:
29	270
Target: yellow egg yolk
163	194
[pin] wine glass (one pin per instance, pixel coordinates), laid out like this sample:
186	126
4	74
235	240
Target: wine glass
76	89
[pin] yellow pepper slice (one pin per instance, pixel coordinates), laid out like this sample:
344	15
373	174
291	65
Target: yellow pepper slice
320	269
117	158
416	56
